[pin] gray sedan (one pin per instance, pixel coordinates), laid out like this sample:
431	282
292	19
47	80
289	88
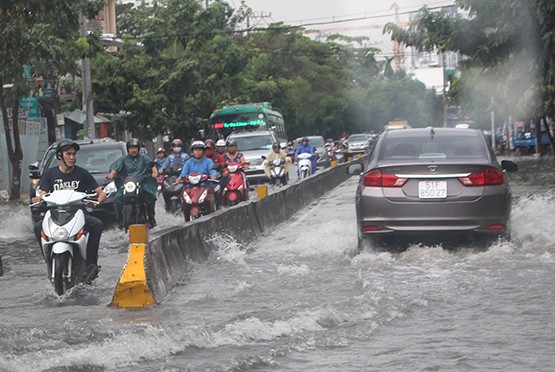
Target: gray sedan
436	185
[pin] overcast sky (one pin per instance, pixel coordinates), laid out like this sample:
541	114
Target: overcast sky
305	12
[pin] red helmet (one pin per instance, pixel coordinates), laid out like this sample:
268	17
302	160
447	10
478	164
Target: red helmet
210	144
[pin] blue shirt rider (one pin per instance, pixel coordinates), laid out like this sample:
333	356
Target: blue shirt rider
306	148
177	157
201	164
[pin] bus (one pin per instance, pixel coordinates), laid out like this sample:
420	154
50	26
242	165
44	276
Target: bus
246	117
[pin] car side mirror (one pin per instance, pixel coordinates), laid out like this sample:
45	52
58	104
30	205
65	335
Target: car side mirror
34	166
509	166
355	169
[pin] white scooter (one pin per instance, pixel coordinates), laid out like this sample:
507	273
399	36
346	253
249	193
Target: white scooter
64	238
305	165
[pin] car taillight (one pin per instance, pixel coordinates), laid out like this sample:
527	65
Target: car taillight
491	176
375	178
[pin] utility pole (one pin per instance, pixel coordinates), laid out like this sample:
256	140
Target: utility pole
88	123
255	16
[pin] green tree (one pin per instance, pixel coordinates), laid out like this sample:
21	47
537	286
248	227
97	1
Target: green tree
509	49
43	35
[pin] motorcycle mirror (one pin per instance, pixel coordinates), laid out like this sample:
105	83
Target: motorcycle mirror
263	157
110	188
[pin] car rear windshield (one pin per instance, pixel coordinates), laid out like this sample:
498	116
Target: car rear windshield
316	141
358	138
256	142
444	146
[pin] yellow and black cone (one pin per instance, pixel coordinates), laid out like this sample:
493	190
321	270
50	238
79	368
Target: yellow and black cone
132	290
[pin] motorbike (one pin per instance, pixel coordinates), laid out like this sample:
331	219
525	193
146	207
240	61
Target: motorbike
172	190
278	176
64	238
134	208
194	196
236	190
305	164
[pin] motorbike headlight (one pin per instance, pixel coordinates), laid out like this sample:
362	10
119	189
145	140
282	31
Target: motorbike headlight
186	198
202	197
60	234
232	168
130	187
193	180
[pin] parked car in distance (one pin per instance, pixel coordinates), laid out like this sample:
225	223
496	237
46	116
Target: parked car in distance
357	144
319	145
253	145
437	185
96	156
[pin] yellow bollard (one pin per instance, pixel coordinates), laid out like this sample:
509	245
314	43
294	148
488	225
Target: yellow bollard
132	289
262	191
333	163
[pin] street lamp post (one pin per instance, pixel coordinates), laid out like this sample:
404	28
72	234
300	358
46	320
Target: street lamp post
88	123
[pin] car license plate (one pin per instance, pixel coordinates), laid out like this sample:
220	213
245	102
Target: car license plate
432	189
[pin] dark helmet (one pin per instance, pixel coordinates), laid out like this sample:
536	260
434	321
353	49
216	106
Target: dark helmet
198	145
133	142
177	143
65	145
276	145
210	144
231	142
304	139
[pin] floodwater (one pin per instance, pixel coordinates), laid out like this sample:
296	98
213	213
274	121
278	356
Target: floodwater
300	299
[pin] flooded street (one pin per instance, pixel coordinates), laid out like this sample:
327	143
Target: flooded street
298	299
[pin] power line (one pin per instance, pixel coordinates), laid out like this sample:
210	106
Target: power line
269	28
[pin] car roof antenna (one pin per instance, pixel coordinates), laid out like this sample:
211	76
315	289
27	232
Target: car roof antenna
432	133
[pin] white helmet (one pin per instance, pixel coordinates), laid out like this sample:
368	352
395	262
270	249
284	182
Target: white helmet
220	143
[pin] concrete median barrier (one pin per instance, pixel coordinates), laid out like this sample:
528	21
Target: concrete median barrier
169	252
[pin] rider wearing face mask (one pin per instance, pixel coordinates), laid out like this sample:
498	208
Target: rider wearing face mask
177	157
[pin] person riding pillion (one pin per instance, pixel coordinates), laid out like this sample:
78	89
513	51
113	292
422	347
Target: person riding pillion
141	167
68	176
277	153
201	164
160	158
177	157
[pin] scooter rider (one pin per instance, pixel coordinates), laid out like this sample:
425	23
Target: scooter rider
160	158
276	153
68	176
201	164
174	161
177	157
306	148
232	156
220	147
218	159
138	166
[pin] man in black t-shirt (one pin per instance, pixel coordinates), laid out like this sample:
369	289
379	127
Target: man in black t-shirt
68	176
